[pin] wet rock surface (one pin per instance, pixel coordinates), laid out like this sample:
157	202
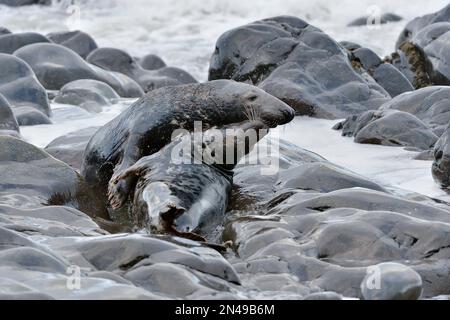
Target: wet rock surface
9	43
8	122
56	66
78	41
20	87
389	127
119	61
291	59
91	95
70	147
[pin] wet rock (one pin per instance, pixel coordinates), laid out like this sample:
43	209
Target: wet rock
4	31
8	122
417	24
322	177
291	60
322	296
391	79
383	19
349	45
120	61
441	160
19	3
91	95
29	116
78	41
396	282
390	128
70	147
14	41
152	62
56	66
431	105
27	172
19	85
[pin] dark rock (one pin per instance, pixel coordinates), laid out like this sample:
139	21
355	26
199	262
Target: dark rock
91	95
70	147
368	59
392	80
417	24
19	85
294	61
152	62
29	116
8	122
26	172
431	105
120	61
390	128
350	46
385	18
4	31
441	163
19	3
391	281
14	41
56	66
78	41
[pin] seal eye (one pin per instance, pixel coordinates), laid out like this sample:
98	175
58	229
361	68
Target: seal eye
253	98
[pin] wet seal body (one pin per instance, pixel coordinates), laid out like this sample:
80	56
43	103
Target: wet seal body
177	193
147	126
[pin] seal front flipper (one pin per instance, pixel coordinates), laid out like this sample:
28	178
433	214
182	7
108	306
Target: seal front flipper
123	182
125	174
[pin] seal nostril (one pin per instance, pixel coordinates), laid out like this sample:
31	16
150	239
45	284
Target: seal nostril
438	155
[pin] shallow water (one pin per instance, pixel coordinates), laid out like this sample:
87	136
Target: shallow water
184	34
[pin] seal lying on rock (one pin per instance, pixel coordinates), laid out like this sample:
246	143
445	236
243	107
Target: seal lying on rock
178	189
441	164
147	126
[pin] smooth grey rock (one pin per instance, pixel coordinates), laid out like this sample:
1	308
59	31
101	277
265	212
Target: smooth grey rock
349	45
91	95
29	116
19	85
78	41
294	61
14	41
4	31
70	147
396	282
431	105
8	122
152	62
120	61
27	171
56	66
19	3
389	127
391	79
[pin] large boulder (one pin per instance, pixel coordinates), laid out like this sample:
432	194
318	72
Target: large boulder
19	3
422	49
8	122
30	177
70	147
120	61
431	105
297	63
385	74
152	62
14	41
19	85
91	95
390	128
56	66
78	41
